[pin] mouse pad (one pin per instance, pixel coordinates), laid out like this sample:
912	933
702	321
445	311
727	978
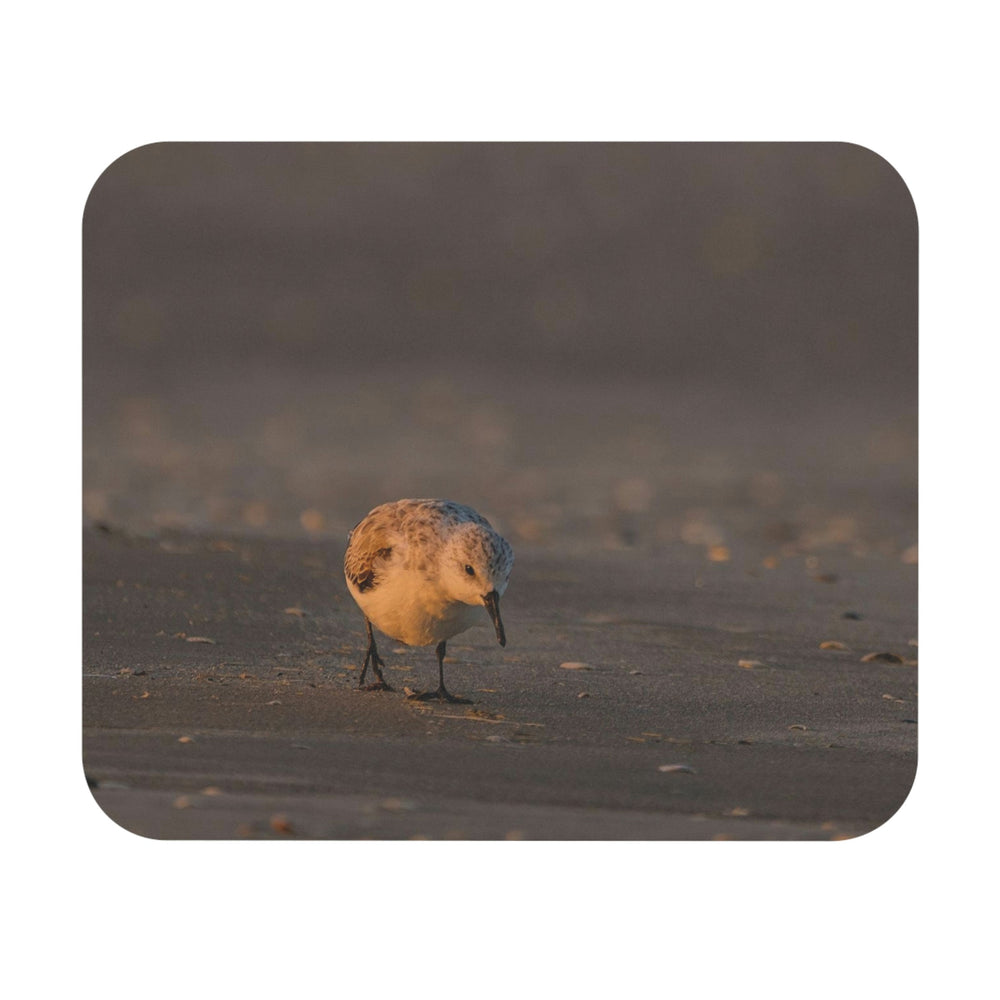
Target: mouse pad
677	381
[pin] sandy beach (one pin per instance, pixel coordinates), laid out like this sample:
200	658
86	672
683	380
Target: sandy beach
641	696
680	379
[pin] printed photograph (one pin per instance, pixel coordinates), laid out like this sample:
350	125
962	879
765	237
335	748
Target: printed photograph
500	491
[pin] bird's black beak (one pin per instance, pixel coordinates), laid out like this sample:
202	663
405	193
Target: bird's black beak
492	602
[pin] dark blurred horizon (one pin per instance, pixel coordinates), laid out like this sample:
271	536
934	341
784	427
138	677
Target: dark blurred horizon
751	260
304	326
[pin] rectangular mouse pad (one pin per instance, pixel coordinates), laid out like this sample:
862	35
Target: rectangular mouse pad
500	491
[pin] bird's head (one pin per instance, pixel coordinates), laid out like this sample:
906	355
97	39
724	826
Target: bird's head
476	569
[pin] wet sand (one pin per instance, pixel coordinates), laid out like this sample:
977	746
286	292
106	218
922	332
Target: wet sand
679	378
661	733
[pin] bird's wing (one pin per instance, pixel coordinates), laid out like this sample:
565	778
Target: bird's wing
369	548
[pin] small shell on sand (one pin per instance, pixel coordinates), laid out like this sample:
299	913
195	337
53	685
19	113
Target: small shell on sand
882	657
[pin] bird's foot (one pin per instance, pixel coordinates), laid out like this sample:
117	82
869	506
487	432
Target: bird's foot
442	694
379	685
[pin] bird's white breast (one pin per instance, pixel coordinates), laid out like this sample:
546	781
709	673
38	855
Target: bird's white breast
407	606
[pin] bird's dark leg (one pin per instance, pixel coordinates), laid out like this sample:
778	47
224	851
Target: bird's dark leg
442	690
442	693
375	660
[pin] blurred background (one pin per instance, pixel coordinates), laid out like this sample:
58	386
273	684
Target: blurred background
596	345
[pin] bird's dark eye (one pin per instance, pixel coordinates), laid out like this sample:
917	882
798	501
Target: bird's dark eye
470	571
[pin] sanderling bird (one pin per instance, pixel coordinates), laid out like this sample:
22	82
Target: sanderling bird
421	571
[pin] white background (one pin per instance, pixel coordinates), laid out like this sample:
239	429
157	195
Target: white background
91	907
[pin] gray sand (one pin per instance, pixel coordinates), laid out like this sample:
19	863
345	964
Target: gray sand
219	739
679	378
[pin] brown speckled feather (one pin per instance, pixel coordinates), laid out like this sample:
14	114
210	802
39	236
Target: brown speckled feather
422	571
367	551
371	541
